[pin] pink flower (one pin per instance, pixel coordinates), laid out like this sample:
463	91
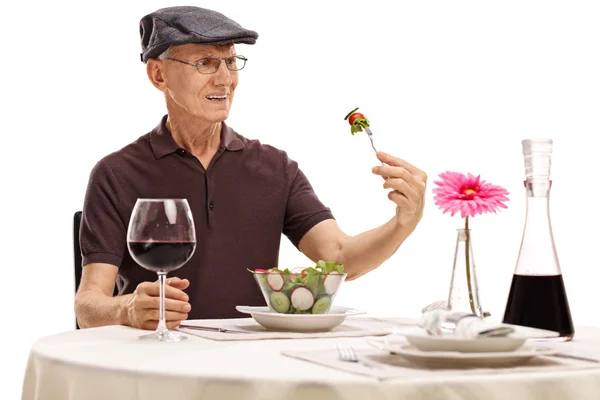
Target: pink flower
468	194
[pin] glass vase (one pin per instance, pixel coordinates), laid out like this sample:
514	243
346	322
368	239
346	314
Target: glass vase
463	295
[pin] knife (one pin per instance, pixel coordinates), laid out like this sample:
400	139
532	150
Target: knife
211	328
563	355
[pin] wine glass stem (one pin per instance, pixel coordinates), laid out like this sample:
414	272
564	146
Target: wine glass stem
162	324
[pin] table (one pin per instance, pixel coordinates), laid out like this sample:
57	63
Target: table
110	363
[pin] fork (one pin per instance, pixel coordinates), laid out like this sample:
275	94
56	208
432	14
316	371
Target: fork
370	135
349	355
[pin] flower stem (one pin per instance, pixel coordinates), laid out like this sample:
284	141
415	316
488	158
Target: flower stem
467	253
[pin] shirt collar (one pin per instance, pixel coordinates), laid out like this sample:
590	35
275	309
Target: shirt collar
162	142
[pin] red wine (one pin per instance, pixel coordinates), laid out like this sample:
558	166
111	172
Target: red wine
539	301
161	256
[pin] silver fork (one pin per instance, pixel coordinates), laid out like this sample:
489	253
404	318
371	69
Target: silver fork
370	135
349	355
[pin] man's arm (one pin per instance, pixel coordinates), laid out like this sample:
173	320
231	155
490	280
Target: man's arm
96	306
359	254
365	252
94	301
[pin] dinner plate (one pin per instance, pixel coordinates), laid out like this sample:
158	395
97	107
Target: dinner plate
272	320
453	359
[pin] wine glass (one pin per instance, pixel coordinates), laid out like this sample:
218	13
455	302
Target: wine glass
161	237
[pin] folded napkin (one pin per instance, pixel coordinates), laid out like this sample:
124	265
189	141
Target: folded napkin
463	325
251	330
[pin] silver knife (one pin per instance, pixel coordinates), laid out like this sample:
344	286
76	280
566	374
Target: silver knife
563	355
211	328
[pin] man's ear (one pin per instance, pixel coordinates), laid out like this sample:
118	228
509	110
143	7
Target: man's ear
156	74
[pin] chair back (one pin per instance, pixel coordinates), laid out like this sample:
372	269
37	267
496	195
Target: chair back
77	248
77	253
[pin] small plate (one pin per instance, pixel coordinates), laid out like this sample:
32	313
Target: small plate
425	342
453	359
419	338
272	320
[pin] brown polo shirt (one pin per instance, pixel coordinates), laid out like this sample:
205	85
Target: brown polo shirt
248	196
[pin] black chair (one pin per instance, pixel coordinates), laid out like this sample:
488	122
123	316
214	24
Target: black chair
77	253
77	248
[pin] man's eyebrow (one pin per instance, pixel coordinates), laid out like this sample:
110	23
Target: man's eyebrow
205	54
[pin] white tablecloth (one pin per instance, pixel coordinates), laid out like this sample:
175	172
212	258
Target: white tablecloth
110	363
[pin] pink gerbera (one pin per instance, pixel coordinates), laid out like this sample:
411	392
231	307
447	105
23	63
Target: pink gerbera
468	194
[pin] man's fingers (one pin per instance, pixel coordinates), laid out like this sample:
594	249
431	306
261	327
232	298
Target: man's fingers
172	324
178	283
151	315
402	187
170	291
153	302
398	162
399	172
400	200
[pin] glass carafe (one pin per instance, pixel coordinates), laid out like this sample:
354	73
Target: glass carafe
537	295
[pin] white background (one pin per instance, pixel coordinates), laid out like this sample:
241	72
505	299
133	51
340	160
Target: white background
447	85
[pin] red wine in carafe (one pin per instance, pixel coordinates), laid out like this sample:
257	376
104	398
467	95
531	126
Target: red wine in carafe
537	296
539	301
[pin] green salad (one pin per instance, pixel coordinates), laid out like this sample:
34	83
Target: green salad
309	291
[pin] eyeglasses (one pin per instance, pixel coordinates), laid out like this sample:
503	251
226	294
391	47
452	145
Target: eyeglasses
211	65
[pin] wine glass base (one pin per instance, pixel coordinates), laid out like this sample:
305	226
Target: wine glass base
163	336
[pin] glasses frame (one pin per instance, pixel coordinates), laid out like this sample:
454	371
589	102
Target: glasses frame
197	63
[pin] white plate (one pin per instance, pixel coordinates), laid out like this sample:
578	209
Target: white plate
425	342
272	320
445	359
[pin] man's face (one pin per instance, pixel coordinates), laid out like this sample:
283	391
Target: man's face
206	96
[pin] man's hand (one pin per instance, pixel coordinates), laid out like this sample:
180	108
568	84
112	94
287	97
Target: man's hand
143	310
408	184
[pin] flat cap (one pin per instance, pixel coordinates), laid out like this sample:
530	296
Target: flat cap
174	26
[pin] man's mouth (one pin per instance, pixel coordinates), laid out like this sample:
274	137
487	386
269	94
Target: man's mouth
216	97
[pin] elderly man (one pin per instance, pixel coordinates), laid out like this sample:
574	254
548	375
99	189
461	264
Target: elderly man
243	194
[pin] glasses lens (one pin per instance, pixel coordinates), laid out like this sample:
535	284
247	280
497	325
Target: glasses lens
235	63
208	65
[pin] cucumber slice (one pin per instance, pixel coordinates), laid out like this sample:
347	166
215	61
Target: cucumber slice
322	305
279	302
350	113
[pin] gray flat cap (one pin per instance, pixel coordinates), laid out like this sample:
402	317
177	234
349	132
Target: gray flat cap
173	26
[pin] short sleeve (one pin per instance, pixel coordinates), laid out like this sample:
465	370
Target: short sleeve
103	232
304	209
